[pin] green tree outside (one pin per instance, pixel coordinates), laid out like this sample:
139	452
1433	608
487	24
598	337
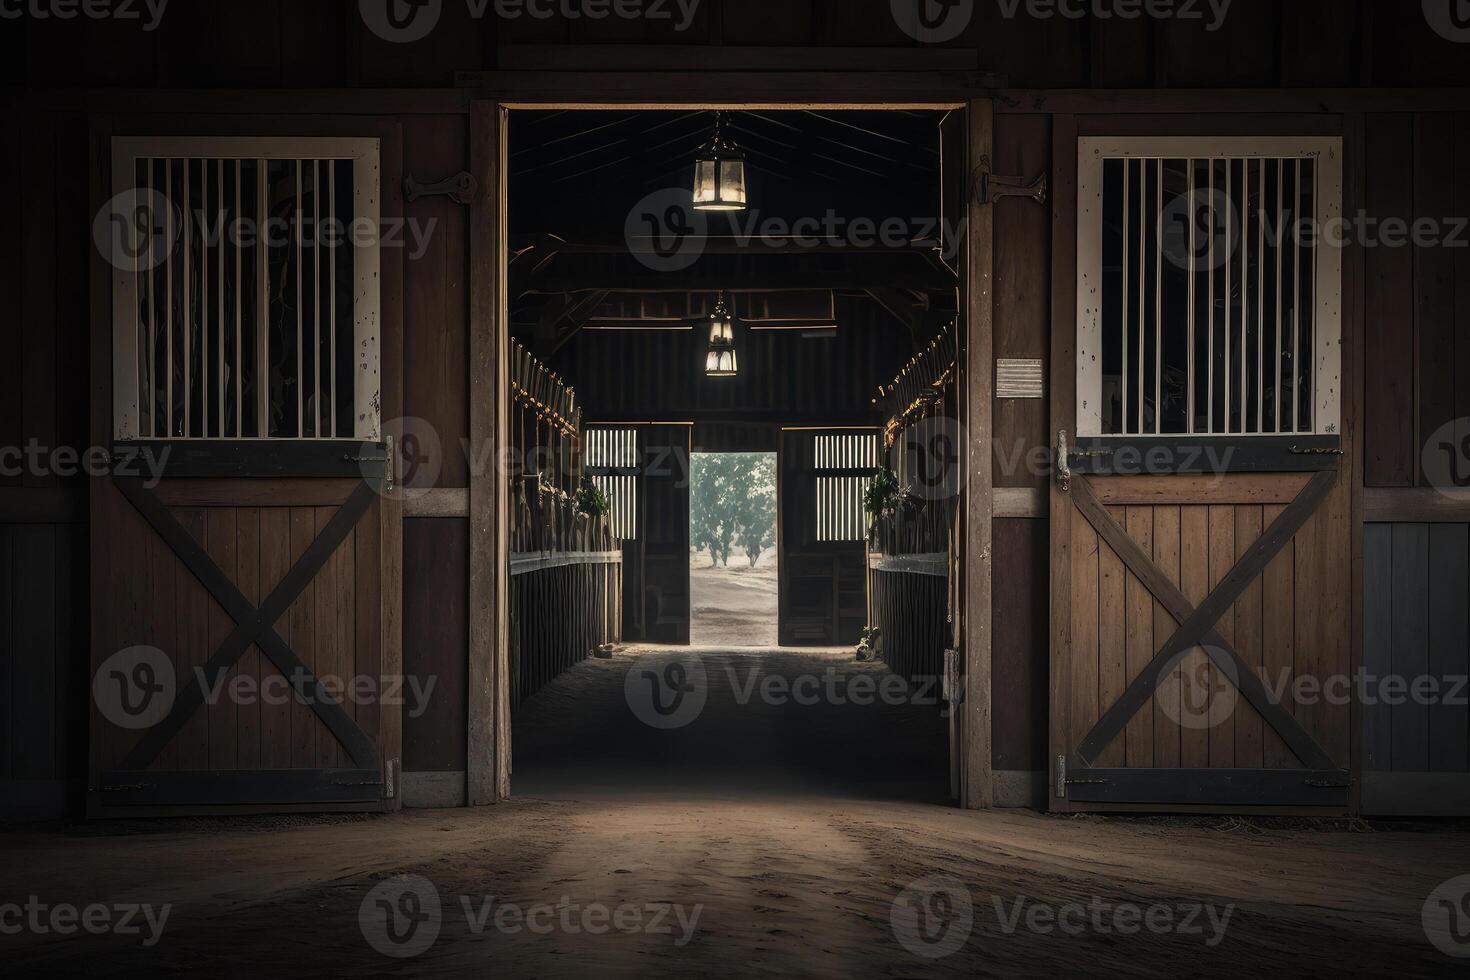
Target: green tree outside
732	503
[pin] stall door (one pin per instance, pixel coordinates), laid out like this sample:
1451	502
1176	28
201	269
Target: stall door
243	578
822	567
1201	559
644	469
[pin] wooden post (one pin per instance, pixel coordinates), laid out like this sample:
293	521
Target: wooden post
975	397
488	773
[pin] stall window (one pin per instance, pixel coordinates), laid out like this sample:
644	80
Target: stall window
613	464
245	288
844	468
1209	286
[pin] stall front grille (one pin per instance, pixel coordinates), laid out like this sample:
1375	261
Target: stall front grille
840	515
613	463
248	307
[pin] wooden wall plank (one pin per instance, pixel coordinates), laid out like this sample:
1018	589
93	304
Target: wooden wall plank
1460	277
1249	725
1112	639
304	724
1278	638
157	623
38	262
1435	176
1082	684
248	554
1449	646
436	296
1238	50
1319	43
1377	642
1324	604
1222	689
191	610
436	640
1168	737
1022	293
1019	659
276	557
1139	639
221	543
1388	415
367	580
12	309
32	666
1195	671
1410	642
324	613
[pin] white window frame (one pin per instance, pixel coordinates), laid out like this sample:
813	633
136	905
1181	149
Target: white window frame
1326	151
365	154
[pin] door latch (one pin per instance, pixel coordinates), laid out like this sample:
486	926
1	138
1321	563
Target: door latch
1064	468
990	188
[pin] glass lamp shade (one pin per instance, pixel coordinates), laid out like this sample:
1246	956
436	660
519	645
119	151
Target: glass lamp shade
722	362
721	332
719	178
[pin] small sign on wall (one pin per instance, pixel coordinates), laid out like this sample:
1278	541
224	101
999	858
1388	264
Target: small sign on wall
1018	378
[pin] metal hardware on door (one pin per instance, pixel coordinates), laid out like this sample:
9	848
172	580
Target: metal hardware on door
1064	468
1316	451
990	188
461	188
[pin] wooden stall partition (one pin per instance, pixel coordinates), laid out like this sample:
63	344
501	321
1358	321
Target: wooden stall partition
1192	588
246	644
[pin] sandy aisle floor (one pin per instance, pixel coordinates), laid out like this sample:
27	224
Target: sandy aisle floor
761	839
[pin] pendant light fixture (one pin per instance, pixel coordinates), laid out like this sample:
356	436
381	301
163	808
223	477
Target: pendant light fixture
722	360
719	173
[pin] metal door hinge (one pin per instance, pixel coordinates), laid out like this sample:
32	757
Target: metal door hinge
1061	784
990	187
390	779
461	188
389	466
1064	468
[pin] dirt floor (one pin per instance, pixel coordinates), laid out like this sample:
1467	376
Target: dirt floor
735	605
749	837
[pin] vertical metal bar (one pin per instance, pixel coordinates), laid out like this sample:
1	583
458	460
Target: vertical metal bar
1280	245
263	303
1261	306
152	360
300	361
1296	301
1229	270
1158	299
168	288
1245	285
1210	309
332	288
239	283
204	300
1127	282
187	321
219	375
1142	284
316	285
1193	273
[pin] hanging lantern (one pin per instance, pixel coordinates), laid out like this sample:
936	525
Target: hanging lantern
719	173
722	360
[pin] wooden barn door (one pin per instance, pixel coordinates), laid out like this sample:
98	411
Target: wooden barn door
822	561
1201	558
245	543
656	557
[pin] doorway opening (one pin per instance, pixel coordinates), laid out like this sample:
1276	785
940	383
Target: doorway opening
733	576
696	411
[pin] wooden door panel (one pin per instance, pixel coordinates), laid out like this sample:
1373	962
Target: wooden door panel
250	735
1202	710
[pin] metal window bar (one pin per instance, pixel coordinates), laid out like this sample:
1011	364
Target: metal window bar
1237	207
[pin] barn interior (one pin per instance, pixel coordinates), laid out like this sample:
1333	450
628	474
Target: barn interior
806	318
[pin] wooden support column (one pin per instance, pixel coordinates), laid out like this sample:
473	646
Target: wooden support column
488	773
976	410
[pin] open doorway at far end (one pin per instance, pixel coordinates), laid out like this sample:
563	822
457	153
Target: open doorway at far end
733	584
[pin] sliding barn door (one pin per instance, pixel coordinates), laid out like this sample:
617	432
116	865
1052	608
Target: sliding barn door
645	472
244	540
822	567
1201	559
